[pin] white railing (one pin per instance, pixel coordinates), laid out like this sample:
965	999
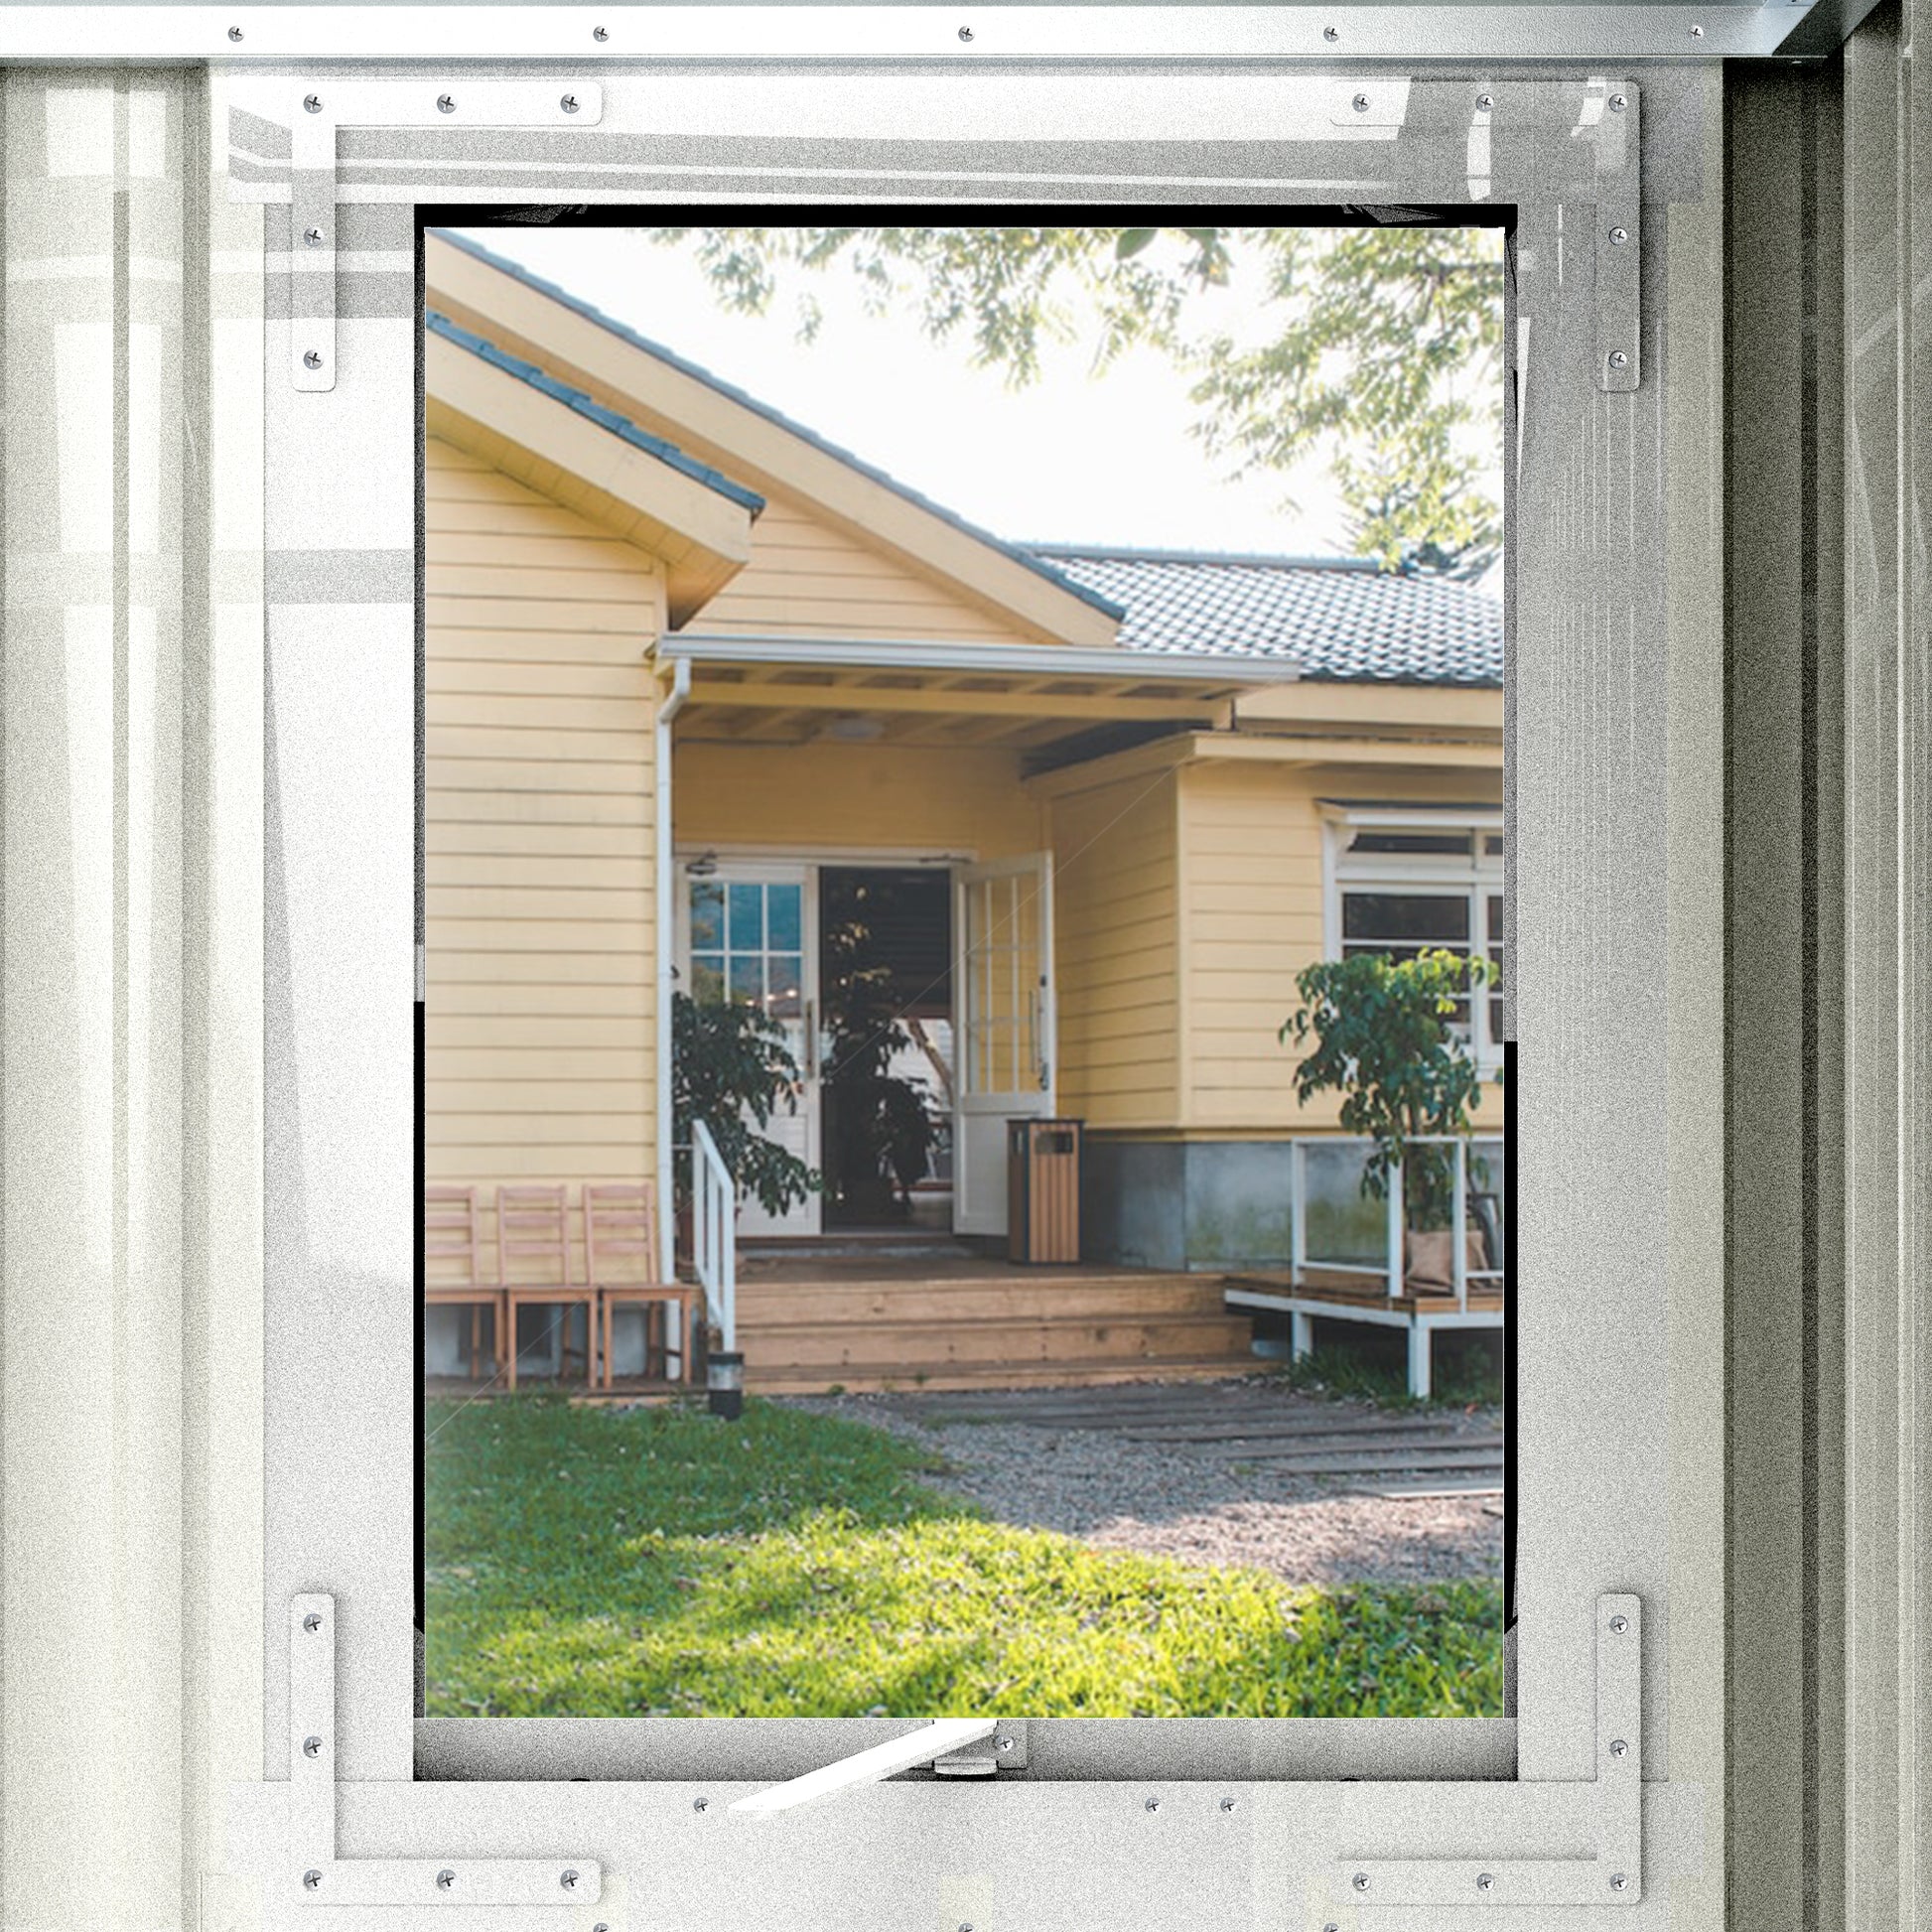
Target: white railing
1391	1267
714	1233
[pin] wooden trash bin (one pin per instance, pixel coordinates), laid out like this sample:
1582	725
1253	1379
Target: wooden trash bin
1043	1189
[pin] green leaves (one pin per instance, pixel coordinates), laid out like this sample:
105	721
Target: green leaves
731	1070
1382	1041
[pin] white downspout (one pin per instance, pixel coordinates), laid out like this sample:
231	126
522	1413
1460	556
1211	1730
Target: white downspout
668	710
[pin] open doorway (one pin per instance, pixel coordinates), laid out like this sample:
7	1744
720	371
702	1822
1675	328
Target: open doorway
887	1087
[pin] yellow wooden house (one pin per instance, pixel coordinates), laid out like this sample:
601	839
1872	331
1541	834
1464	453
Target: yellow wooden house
691	669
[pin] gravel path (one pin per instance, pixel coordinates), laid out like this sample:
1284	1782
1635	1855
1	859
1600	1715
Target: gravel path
1186	1500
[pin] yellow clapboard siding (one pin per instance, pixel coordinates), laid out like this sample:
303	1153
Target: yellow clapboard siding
1115	894
540	864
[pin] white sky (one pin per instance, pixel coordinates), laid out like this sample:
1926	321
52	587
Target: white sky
1073	458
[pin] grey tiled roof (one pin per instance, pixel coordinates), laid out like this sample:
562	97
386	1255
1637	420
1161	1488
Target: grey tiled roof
1333	618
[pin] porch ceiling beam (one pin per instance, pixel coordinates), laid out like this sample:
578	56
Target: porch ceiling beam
1182	708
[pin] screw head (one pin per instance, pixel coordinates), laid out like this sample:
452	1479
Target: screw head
446	103
965	33
1228	1804
1485	1881
311	1880
1618	236
1360	1882
312	358
1002	1744
1154	1804
1619	1623
1331	1926
312	1747
312	102
311	1623
568	1881
1618	1747
234	34
312	237
1617	103
599	33
445	1879
700	1804
1617	1881
1331	32
1360	103
568	103
1696	33
1485	101
1618	360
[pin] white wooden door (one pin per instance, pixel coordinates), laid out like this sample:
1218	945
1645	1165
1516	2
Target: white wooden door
1003	937
750	931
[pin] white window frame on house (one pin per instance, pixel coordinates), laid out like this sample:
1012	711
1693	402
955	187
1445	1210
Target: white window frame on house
1473	879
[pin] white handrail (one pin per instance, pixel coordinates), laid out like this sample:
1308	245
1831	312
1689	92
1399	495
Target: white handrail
714	1233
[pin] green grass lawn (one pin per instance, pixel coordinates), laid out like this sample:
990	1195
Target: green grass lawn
586	1562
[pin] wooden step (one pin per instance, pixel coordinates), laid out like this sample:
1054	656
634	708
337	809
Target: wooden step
1095	1297
882	1377
935	1344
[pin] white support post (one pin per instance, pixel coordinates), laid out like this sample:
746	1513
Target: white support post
1459	1225
1419	1362
1301	1335
1397	1219
1298	1212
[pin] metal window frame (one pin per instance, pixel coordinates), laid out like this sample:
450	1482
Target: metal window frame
1817	1584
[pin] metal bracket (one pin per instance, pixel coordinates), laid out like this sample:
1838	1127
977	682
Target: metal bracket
1619	237
319	1876
1004	1750
315	115
1611	1875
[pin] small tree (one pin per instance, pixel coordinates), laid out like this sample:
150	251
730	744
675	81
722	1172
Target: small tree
731	1070
1382	1039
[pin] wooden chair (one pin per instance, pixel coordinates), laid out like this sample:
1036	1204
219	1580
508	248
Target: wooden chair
449	1246
533	1239
621	1249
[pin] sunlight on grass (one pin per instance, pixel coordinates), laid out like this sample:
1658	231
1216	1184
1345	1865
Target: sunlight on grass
588	1563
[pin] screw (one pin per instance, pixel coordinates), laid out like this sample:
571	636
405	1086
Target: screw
965	33
1618	236
967	1927
234	34
311	1623
446	103
599	33
313	102
1617	103
1618	360
700	1804
312	1747
1485	101
1617	1881
1360	1882
1696	33
312	358
1360	103
1331	32
1485	1881
568	103
568	1881
311	1880
312	237
599	1926
1619	1623
1154	1804
1002	1744
1331	1926
445	1879
1618	1747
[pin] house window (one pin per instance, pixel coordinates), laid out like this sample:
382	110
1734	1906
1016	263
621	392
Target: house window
1404	887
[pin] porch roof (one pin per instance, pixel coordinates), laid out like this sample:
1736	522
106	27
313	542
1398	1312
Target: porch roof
772	689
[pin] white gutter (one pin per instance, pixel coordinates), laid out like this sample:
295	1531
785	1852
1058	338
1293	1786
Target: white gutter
668	710
1018	660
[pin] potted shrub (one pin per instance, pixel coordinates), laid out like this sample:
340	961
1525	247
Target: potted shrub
732	1069
1382	1039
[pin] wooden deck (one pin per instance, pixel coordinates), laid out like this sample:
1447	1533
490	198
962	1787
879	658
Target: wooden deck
867	1316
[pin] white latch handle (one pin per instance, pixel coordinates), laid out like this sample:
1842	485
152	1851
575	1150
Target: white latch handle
919	1746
